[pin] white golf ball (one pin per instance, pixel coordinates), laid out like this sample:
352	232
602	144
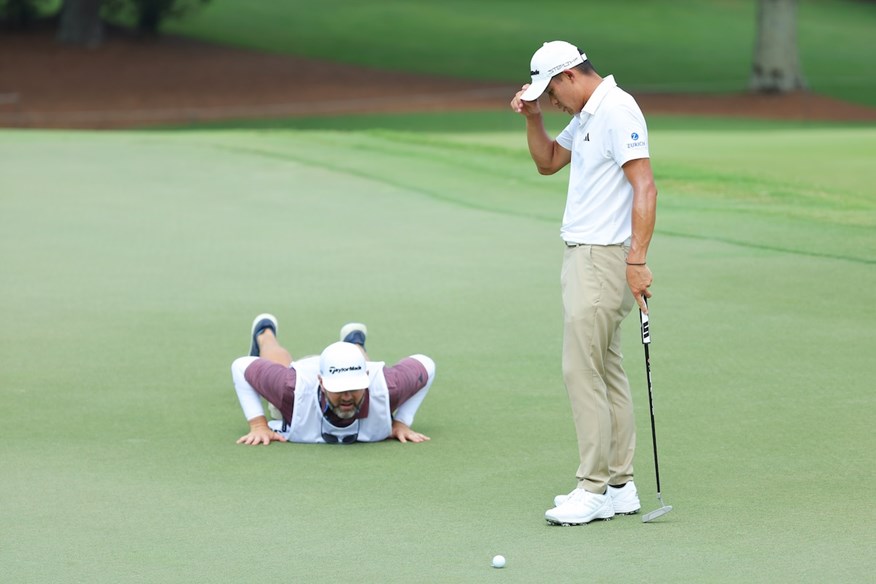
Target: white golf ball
498	561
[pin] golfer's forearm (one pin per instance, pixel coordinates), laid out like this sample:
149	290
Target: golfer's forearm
643	219
541	147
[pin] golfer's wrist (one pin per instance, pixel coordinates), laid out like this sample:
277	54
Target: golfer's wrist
629	263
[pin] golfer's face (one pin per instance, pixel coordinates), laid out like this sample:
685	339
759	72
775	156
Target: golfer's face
344	403
558	91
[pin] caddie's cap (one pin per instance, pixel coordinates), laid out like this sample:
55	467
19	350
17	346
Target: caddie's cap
552	58
342	368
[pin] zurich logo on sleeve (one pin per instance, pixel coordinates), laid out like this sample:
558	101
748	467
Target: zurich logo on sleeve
636	143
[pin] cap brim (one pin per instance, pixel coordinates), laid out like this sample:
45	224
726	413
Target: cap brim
347	383
535	90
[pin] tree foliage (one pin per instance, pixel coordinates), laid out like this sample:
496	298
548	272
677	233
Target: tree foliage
78	18
20	14
148	15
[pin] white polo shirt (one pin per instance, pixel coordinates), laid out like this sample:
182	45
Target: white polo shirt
609	132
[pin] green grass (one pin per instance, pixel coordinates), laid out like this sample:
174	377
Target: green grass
478	122
686	45
134	261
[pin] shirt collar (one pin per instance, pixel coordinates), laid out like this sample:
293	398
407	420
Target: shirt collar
608	83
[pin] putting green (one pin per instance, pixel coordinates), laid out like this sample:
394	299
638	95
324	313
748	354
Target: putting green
134	262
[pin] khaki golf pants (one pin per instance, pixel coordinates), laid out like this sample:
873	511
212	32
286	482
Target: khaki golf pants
596	299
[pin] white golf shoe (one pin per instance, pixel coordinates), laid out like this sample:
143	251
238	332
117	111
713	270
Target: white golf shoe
625	499
560	499
581	507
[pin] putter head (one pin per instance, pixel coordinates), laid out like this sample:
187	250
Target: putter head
656	513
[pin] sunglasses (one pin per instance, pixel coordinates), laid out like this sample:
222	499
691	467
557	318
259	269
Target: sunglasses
342	439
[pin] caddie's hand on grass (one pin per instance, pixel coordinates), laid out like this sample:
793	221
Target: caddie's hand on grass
403	433
526	108
260	433
638	279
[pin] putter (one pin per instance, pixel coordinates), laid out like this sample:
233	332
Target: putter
646	342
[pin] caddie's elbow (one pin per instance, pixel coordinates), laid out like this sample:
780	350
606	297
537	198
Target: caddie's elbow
238	367
428	365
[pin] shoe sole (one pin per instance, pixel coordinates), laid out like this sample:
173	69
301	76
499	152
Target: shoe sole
574	524
636	512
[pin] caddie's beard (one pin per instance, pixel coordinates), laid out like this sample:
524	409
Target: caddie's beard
344	414
348	413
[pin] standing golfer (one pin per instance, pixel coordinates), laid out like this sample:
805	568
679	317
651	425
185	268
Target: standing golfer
607	226
338	397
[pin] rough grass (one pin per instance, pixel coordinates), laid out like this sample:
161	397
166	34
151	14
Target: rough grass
664	45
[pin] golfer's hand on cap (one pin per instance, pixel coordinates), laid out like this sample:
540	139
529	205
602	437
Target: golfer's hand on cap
526	108
403	433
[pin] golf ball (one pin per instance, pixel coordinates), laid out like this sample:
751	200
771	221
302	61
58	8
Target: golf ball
498	561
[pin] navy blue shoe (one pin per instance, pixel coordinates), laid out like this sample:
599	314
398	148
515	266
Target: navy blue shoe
354	332
261	322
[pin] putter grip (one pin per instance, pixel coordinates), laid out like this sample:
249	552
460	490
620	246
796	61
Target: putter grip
646	328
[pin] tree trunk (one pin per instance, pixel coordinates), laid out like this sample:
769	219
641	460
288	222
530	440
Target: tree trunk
80	23
776	67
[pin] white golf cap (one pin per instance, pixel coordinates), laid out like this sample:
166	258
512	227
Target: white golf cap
342	368
552	58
